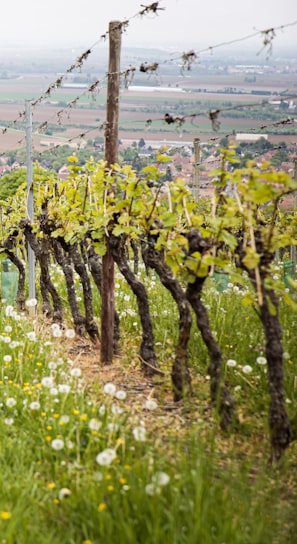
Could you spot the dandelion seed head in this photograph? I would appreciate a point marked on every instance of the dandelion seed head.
(139, 434)
(106, 457)
(57, 444)
(109, 389)
(10, 402)
(64, 493)
(150, 404)
(161, 479)
(231, 363)
(121, 395)
(94, 424)
(75, 372)
(35, 405)
(261, 360)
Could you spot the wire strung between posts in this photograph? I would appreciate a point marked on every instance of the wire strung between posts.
(72, 139)
(213, 115)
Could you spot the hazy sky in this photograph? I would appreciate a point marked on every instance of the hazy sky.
(192, 23)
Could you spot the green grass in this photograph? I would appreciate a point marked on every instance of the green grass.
(217, 488)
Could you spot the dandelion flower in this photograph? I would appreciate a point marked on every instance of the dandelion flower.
(53, 391)
(31, 302)
(9, 311)
(31, 336)
(101, 507)
(35, 405)
(110, 389)
(7, 358)
(64, 388)
(64, 419)
(139, 434)
(94, 424)
(9, 421)
(57, 444)
(247, 369)
(152, 489)
(64, 493)
(150, 404)
(5, 515)
(161, 478)
(116, 409)
(10, 402)
(121, 395)
(47, 381)
(102, 410)
(231, 363)
(106, 457)
(75, 372)
(261, 360)
(70, 333)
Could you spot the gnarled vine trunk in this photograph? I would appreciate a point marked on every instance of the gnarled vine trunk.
(180, 375)
(9, 245)
(41, 251)
(280, 428)
(148, 357)
(219, 392)
(64, 261)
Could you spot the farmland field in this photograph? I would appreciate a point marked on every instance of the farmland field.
(192, 97)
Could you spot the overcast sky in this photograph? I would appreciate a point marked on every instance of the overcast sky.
(75, 23)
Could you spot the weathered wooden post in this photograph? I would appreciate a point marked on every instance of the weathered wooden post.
(111, 157)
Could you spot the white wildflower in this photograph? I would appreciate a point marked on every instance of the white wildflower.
(31, 336)
(110, 389)
(64, 419)
(10, 402)
(64, 493)
(75, 372)
(47, 381)
(106, 457)
(160, 478)
(53, 391)
(247, 369)
(121, 395)
(7, 358)
(94, 424)
(64, 388)
(261, 360)
(9, 421)
(139, 434)
(231, 363)
(152, 489)
(31, 302)
(35, 405)
(112, 427)
(102, 410)
(70, 333)
(57, 444)
(9, 311)
(150, 404)
(57, 333)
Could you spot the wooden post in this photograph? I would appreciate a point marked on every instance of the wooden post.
(196, 167)
(111, 157)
